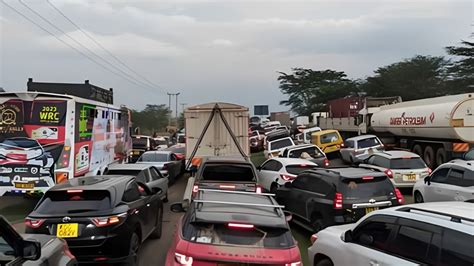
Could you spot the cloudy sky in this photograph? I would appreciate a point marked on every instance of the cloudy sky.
(219, 50)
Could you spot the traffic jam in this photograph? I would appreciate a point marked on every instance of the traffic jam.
(390, 183)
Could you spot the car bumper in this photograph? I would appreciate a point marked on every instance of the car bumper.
(111, 249)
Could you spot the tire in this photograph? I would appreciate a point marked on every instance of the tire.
(324, 262)
(418, 150)
(440, 156)
(156, 234)
(429, 156)
(418, 197)
(273, 188)
(132, 260)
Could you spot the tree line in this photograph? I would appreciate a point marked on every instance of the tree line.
(418, 77)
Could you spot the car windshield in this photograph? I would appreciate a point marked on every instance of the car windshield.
(180, 150)
(228, 172)
(407, 163)
(279, 144)
(469, 155)
(19, 143)
(296, 169)
(221, 234)
(153, 157)
(139, 142)
(366, 188)
(329, 137)
(160, 142)
(74, 201)
(311, 151)
(367, 143)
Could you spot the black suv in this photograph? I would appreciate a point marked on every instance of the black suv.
(323, 197)
(228, 173)
(102, 218)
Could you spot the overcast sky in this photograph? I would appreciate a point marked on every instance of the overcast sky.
(222, 50)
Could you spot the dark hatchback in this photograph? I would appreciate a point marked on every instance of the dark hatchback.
(323, 197)
(102, 218)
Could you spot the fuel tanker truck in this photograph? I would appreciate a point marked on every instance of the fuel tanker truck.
(438, 129)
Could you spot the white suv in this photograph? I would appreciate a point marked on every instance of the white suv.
(438, 233)
(453, 181)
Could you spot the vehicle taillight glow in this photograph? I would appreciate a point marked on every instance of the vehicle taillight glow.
(74, 191)
(399, 195)
(337, 203)
(298, 263)
(237, 225)
(195, 189)
(430, 171)
(342, 145)
(389, 173)
(33, 223)
(287, 177)
(367, 178)
(227, 186)
(183, 259)
(313, 238)
(106, 221)
(326, 162)
(258, 190)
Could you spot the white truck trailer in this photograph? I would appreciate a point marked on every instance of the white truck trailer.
(216, 129)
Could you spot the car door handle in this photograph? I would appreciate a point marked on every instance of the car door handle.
(374, 263)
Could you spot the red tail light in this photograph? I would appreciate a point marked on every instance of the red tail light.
(74, 191)
(183, 259)
(106, 221)
(367, 178)
(242, 226)
(195, 189)
(298, 263)
(389, 173)
(313, 238)
(399, 195)
(227, 186)
(34, 223)
(337, 203)
(430, 171)
(258, 190)
(326, 162)
(287, 177)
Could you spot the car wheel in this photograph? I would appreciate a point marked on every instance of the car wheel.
(134, 248)
(273, 188)
(318, 225)
(159, 226)
(324, 262)
(418, 197)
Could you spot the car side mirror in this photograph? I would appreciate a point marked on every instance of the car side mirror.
(347, 236)
(177, 207)
(366, 239)
(288, 185)
(156, 190)
(31, 250)
(288, 216)
(427, 180)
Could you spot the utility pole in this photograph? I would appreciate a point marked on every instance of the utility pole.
(169, 108)
(183, 105)
(177, 94)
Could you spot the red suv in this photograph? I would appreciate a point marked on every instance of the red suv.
(233, 228)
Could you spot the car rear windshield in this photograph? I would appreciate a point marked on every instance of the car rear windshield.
(407, 163)
(74, 201)
(20, 143)
(228, 172)
(153, 157)
(367, 143)
(329, 137)
(311, 151)
(161, 142)
(366, 188)
(278, 144)
(222, 234)
(141, 142)
(296, 169)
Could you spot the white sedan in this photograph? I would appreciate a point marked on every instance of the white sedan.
(275, 172)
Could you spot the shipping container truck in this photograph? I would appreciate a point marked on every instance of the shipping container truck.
(216, 129)
(47, 137)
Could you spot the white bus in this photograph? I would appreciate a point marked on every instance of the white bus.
(46, 138)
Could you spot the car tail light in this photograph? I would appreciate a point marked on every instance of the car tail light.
(183, 259)
(34, 223)
(195, 189)
(389, 173)
(242, 226)
(337, 203)
(258, 190)
(227, 186)
(287, 177)
(101, 259)
(74, 191)
(313, 238)
(106, 221)
(367, 178)
(430, 171)
(399, 195)
(326, 162)
(342, 145)
(298, 263)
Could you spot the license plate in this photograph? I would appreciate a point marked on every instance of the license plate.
(67, 230)
(371, 209)
(29, 185)
(409, 177)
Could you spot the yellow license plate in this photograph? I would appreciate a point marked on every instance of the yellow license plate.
(371, 209)
(67, 230)
(25, 185)
(410, 177)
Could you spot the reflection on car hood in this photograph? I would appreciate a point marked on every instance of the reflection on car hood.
(155, 164)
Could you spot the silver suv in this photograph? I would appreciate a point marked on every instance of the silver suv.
(452, 181)
(358, 148)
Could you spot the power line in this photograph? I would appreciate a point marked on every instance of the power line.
(67, 44)
(80, 44)
(101, 46)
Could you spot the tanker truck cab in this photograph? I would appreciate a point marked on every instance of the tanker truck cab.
(328, 141)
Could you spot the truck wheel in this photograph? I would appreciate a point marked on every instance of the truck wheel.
(440, 156)
(417, 149)
(429, 156)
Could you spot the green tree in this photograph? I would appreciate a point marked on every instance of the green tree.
(309, 90)
(154, 118)
(414, 78)
(461, 71)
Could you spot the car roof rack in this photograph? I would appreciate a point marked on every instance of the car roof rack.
(454, 218)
